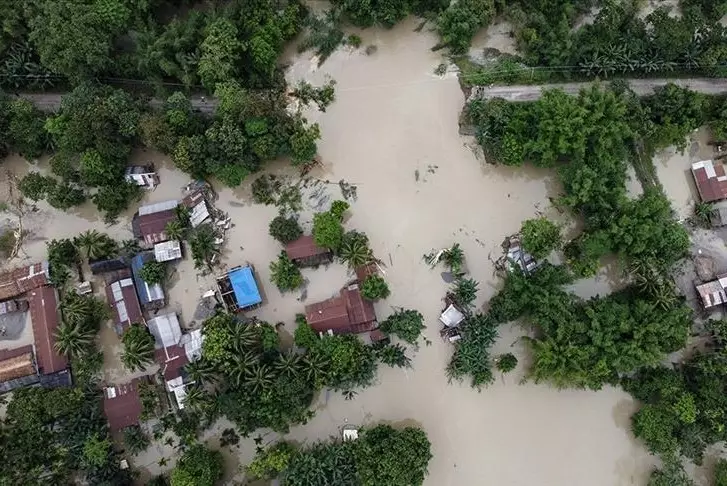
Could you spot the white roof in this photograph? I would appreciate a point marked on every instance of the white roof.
(157, 207)
(154, 291)
(165, 329)
(168, 250)
(451, 316)
(177, 387)
(192, 343)
(199, 214)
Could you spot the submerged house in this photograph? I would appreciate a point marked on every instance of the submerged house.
(151, 296)
(52, 366)
(710, 179)
(712, 294)
(239, 290)
(196, 202)
(122, 405)
(121, 296)
(23, 279)
(142, 175)
(150, 222)
(17, 368)
(173, 351)
(108, 265)
(348, 313)
(305, 253)
(168, 251)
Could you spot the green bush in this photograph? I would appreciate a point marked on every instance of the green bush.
(285, 229)
(375, 288)
(285, 274)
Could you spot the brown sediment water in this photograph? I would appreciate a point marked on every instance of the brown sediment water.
(393, 133)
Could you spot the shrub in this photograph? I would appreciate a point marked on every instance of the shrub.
(285, 229)
(153, 272)
(405, 324)
(506, 362)
(375, 288)
(327, 230)
(285, 274)
(540, 237)
(338, 208)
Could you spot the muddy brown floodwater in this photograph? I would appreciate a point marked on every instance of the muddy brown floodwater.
(393, 133)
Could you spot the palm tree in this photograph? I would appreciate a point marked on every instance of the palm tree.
(703, 212)
(138, 348)
(72, 340)
(244, 336)
(75, 308)
(316, 368)
(96, 245)
(465, 292)
(201, 372)
(258, 377)
(242, 363)
(288, 363)
(356, 252)
(174, 230)
(203, 245)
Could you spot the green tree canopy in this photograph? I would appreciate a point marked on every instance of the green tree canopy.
(198, 466)
(540, 237)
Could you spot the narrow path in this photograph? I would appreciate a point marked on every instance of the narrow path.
(641, 87)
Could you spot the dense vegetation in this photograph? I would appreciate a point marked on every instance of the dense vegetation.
(381, 455)
(56, 437)
(618, 42)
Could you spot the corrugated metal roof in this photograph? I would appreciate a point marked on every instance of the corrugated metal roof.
(20, 280)
(148, 294)
(157, 207)
(165, 329)
(122, 405)
(304, 247)
(713, 293)
(347, 313)
(168, 250)
(197, 204)
(121, 295)
(710, 179)
(44, 316)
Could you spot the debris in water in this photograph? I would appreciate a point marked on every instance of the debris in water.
(416, 175)
(348, 191)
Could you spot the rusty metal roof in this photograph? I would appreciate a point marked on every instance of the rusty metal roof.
(347, 313)
(16, 363)
(152, 227)
(304, 247)
(710, 179)
(44, 315)
(122, 405)
(20, 280)
(121, 296)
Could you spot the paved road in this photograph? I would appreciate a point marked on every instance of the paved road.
(640, 86)
(52, 101)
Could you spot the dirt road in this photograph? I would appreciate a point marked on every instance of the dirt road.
(51, 101)
(641, 87)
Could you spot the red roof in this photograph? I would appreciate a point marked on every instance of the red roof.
(44, 315)
(20, 280)
(347, 313)
(304, 247)
(151, 227)
(172, 361)
(121, 296)
(121, 405)
(710, 179)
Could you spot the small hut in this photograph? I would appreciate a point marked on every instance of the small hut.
(142, 175)
(239, 290)
(305, 253)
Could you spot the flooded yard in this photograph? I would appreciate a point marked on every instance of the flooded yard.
(393, 133)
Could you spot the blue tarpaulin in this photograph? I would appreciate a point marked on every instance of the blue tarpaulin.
(245, 287)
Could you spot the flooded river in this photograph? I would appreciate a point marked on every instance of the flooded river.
(393, 133)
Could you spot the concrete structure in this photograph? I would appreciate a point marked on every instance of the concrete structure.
(142, 175)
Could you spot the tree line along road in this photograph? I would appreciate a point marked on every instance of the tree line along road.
(642, 87)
